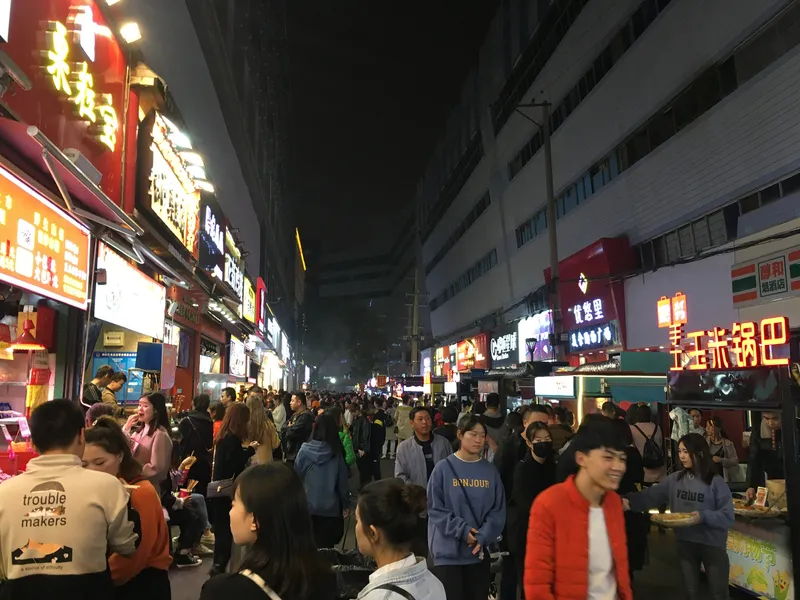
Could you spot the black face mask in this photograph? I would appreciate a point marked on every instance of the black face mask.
(543, 449)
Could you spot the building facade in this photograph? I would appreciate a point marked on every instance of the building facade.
(664, 133)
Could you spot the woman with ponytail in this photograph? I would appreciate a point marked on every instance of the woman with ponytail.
(387, 514)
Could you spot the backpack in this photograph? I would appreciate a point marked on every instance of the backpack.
(388, 421)
(652, 456)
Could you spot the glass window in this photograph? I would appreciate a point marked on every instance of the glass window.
(673, 246)
(702, 239)
(660, 251)
(648, 261)
(749, 204)
(580, 191)
(791, 184)
(638, 146)
(661, 128)
(570, 199)
(541, 222)
(685, 241)
(717, 228)
(770, 194)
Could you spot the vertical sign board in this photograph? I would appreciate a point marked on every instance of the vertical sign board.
(767, 278)
(78, 72)
(261, 308)
(504, 346)
(211, 247)
(234, 267)
(249, 301)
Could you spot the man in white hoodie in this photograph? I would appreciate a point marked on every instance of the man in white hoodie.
(59, 520)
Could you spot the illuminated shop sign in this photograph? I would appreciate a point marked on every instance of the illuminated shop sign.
(274, 332)
(234, 275)
(472, 354)
(261, 307)
(237, 358)
(129, 298)
(503, 346)
(555, 386)
(533, 338)
(766, 278)
(744, 346)
(594, 337)
(42, 248)
(249, 301)
(74, 80)
(174, 190)
(211, 254)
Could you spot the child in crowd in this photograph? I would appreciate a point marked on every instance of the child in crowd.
(699, 490)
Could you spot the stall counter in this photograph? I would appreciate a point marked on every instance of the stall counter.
(760, 558)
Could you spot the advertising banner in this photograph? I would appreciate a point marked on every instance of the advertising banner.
(504, 347)
(472, 353)
(42, 248)
(237, 358)
(761, 560)
(767, 278)
(249, 301)
(211, 252)
(129, 298)
(426, 362)
(533, 338)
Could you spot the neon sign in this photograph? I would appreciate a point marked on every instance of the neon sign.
(75, 81)
(234, 276)
(588, 311)
(745, 345)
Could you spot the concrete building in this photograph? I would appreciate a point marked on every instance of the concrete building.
(672, 120)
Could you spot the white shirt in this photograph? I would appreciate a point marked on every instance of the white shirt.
(602, 579)
(408, 561)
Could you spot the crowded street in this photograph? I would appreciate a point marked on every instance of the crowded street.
(431, 300)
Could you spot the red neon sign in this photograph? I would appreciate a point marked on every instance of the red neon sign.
(747, 345)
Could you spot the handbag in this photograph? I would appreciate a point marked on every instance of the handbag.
(255, 578)
(492, 547)
(220, 489)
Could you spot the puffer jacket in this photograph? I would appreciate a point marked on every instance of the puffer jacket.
(557, 556)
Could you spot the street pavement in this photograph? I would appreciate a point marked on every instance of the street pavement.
(660, 580)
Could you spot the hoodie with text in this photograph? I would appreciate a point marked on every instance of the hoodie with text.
(463, 495)
(685, 493)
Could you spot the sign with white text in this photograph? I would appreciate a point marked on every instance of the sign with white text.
(503, 346)
(555, 386)
(767, 278)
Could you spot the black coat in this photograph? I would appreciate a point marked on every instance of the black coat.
(297, 432)
(197, 437)
(530, 480)
(512, 450)
(230, 458)
(637, 525)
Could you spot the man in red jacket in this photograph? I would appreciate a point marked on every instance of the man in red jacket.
(576, 548)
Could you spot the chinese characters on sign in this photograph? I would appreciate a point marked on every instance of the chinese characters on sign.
(234, 276)
(504, 346)
(745, 345)
(174, 197)
(772, 277)
(75, 81)
(249, 302)
(588, 311)
(766, 278)
(41, 248)
(588, 338)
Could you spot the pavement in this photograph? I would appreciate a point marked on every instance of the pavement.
(660, 580)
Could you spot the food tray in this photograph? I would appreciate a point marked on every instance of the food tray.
(754, 512)
(674, 519)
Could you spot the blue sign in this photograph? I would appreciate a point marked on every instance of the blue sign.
(121, 361)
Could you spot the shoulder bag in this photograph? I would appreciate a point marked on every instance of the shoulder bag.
(390, 587)
(221, 488)
(255, 578)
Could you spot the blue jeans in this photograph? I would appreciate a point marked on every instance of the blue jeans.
(197, 506)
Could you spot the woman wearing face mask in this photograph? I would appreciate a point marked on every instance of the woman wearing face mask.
(270, 515)
(387, 515)
(149, 433)
(698, 490)
(532, 475)
(466, 513)
(145, 573)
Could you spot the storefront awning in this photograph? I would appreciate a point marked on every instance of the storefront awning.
(33, 145)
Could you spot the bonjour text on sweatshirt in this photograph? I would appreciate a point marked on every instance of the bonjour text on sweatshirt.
(685, 493)
(450, 516)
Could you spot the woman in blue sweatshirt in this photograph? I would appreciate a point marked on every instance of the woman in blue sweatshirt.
(466, 513)
(698, 490)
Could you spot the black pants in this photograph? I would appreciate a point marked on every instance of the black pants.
(369, 469)
(328, 531)
(150, 583)
(190, 525)
(715, 561)
(223, 545)
(465, 582)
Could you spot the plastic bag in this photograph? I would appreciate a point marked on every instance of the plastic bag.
(352, 570)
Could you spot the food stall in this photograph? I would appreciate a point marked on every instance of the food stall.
(751, 368)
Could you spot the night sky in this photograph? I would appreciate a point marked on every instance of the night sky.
(371, 86)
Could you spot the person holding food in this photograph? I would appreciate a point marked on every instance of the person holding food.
(701, 507)
(766, 453)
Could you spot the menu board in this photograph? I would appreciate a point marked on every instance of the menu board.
(42, 248)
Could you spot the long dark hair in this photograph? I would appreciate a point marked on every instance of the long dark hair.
(393, 507)
(326, 430)
(160, 415)
(107, 434)
(702, 464)
(335, 413)
(284, 553)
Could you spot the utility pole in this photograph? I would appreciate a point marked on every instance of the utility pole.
(552, 234)
(415, 324)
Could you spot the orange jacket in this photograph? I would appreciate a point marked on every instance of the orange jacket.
(557, 552)
(153, 550)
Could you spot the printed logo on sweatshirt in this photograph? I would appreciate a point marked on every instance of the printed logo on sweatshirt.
(475, 483)
(45, 508)
(690, 496)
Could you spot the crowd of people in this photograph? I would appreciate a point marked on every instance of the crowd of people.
(260, 482)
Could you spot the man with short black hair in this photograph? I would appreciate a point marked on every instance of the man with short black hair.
(114, 385)
(298, 430)
(417, 456)
(450, 429)
(57, 519)
(92, 391)
(227, 396)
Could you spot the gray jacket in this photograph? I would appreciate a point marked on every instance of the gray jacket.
(416, 580)
(409, 464)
